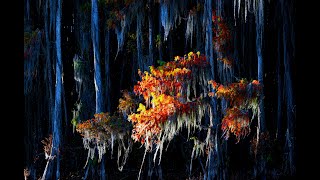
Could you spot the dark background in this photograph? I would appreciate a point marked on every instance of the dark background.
(174, 162)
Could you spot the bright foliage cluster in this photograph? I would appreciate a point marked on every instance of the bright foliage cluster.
(241, 97)
(222, 38)
(103, 125)
(236, 122)
(160, 106)
(221, 31)
(163, 90)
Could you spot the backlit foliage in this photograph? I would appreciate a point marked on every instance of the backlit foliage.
(166, 99)
(228, 62)
(159, 109)
(236, 122)
(47, 145)
(128, 103)
(102, 132)
(221, 39)
(241, 97)
(222, 34)
(164, 94)
(103, 125)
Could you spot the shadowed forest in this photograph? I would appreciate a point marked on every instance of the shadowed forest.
(160, 89)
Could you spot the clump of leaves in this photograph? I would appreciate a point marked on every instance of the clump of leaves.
(127, 104)
(228, 62)
(162, 91)
(236, 122)
(241, 96)
(103, 125)
(221, 31)
(221, 39)
(102, 131)
(158, 40)
(47, 145)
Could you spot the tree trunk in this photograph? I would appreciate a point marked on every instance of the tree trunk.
(288, 50)
(107, 71)
(57, 117)
(96, 56)
(150, 21)
(97, 65)
(261, 129)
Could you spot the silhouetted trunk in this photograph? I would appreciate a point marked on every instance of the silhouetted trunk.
(57, 114)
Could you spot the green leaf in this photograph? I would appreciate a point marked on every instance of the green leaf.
(161, 63)
(74, 122)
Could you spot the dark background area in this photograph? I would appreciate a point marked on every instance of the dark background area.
(174, 161)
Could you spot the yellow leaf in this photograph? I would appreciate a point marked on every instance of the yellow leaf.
(141, 108)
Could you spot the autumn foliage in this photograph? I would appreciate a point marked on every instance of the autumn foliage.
(221, 31)
(127, 103)
(47, 145)
(241, 96)
(236, 122)
(103, 125)
(163, 91)
(221, 38)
